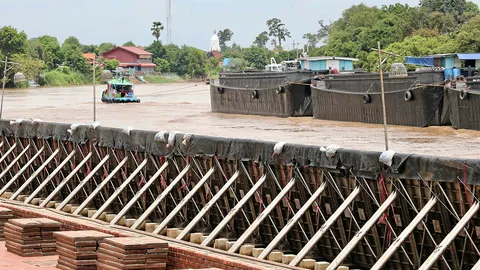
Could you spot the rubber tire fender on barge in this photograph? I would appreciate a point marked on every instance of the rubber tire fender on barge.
(463, 94)
(220, 90)
(280, 89)
(254, 94)
(408, 95)
(366, 98)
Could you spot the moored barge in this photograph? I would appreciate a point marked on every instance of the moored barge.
(462, 101)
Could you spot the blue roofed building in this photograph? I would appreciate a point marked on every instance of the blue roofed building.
(324, 63)
(447, 61)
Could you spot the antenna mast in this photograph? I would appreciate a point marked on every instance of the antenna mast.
(169, 21)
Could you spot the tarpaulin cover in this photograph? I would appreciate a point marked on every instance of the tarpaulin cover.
(468, 56)
(362, 163)
(420, 61)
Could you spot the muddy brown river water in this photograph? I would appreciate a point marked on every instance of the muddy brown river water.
(185, 107)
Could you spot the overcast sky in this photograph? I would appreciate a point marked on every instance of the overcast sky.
(193, 21)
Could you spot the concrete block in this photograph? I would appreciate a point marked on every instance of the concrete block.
(257, 251)
(109, 217)
(91, 213)
(196, 238)
(247, 250)
(275, 256)
(128, 222)
(205, 237)
(21, 198)
(103, 216)
(307, 263)
(35, 201)
(287, 258)
(150, 227)
(342, 267)
(220, 243)
(7, 195)
(51, 204)
(321, 265)
(123, 222)
(229, 244)
(173, 232)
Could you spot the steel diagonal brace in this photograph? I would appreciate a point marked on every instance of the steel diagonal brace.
(8, 152)
(65, 181)
(476, 266)
(49, 178)
(207, 207)
(82, 183)
(450, 237)
(137, 196)
(234, 211)
(261, 217)
(20, 172)
(403, 236)
(34, 175)
(100, 186)
(183, 202)
(326, 226)
(362, 232)
(292, 222)
(160, 197)
(7, 169)
(119, 190)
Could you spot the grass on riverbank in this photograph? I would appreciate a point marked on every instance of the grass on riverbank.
(162, 79)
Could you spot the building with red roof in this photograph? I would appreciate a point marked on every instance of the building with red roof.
(132, 57)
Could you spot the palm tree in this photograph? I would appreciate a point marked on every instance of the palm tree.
(156, 29)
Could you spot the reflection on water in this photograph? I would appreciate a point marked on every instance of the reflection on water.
(186, 108)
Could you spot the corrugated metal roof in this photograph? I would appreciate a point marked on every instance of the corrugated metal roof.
(468, 56)
(135, 50)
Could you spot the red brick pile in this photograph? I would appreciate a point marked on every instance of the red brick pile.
(132, 253)
(78, 249)
(5, 215)
(31, 237)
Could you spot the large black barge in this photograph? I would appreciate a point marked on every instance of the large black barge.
(411, 99)
(281, 94)
(462, 103)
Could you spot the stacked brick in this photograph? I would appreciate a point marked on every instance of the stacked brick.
(31, 237)
(132, 253)
(78, 249)
(5, 215)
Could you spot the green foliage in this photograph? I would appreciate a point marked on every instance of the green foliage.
(312, 39)
(460, 10)
(190, 62)
(106, 46)
(257, 57)
(74, 59)
(51, 51)
(63, 76)
(129, 43)
(90, 49)
(224, 36)
(278, 30)
(212, 67)
(29, 66)
(157, 50)
(285, 56)
(162, 65)
(12, 42)
(156, 29)
(161, 79)
(111, 64)
(34, 48)
(72, 41)
(236, 64)
(469, 37)
(261, 40)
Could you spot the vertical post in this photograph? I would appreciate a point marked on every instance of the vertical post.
(3, 85)
(94, 82)
(383, 96)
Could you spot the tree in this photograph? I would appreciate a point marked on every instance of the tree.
(157, 29)
(74, 59)
(51, 51)
(90, 49)
(29, 66)
(224, 36)
(130, 43)
(257, 57)
(35, 49)
(105, 47)
(261, 40)
(156, 49)
(312, 39)
(162, 65)
(323, 30)
(73, 41)
(12, 42)
(111, 64)
(278, 30)
(469, 36)
(461, 10)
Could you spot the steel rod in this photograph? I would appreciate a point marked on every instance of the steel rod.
(119, 190)
(65, 181)
(184, 201)
(234, 211)
(83, 183)
(160, 197)
(207, 207)
(361, 233)
(325, 227)
(137, 196)
(8, 152)
(292, 222)
(7, 169)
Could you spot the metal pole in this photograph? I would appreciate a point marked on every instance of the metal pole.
(383, 96)
(3, 85)
(94, 82)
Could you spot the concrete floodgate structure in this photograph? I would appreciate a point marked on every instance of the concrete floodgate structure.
(243, 204)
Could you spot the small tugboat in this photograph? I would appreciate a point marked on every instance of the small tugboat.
(119, 90)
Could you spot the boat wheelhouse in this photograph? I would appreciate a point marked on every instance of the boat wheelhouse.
(119, 90)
